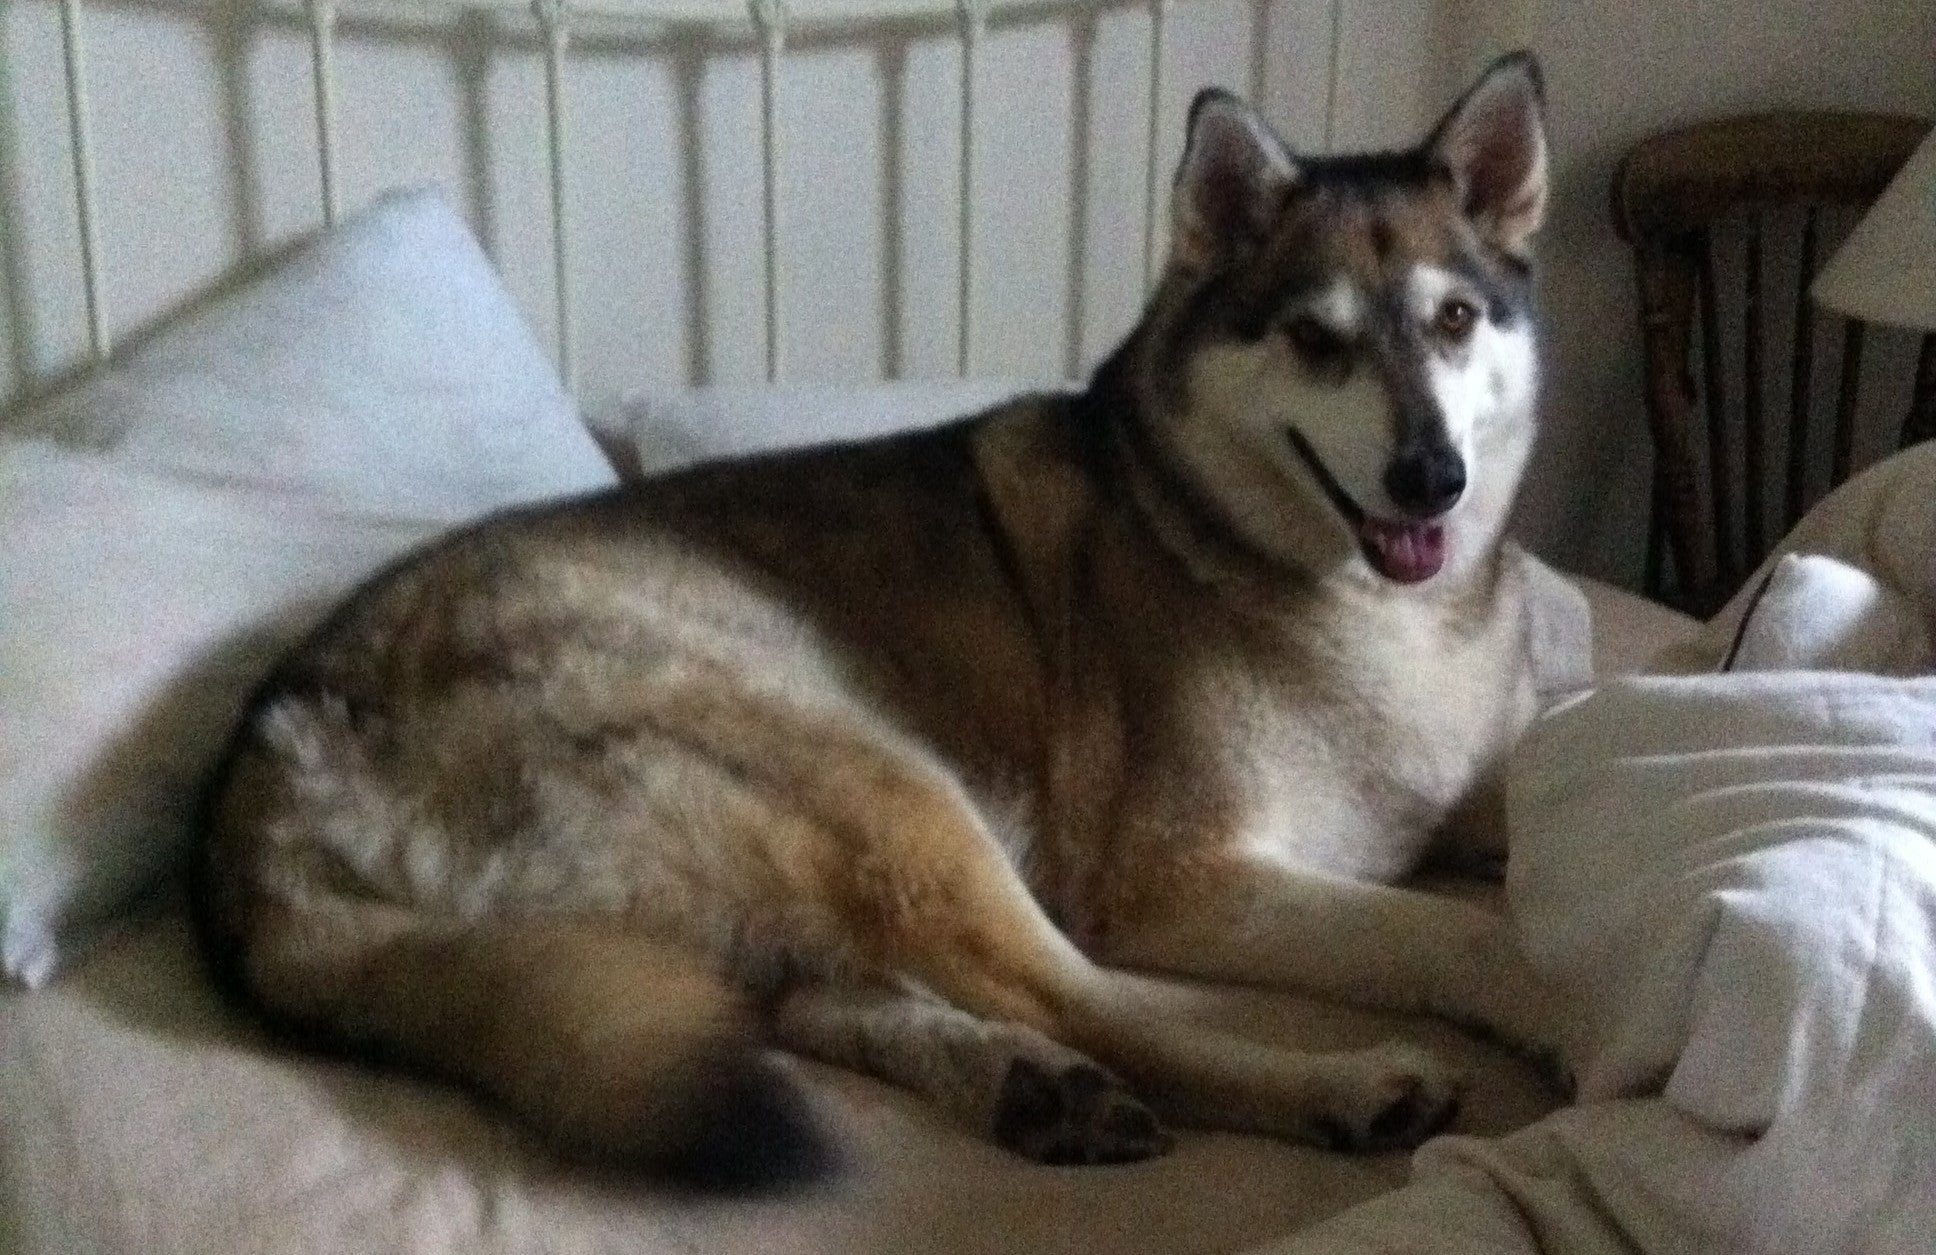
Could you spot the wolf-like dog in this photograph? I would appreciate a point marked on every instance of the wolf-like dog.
(898, 754)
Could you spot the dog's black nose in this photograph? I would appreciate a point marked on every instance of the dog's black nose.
(1426, 482)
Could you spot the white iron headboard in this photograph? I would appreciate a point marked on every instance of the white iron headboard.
(774, 27)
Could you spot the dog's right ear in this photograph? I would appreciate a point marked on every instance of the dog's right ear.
(1231, 183)
(1493, 143)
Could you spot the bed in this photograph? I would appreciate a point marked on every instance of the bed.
(172, 518)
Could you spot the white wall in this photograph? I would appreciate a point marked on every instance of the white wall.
(205, 129)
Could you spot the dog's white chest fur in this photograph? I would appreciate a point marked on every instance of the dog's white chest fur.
(1352, 774)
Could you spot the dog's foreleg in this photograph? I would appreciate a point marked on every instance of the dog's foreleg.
(1245, 919)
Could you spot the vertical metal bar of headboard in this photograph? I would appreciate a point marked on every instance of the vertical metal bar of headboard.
(1260, 30)
(1333, 76)
(1152, 184)
(322, 73)
(557, 30)
(770, 16)
(80, 137)
(974, 24)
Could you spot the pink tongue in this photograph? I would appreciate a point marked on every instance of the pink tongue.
(1404, 552)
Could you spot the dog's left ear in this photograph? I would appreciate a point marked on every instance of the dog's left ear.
(1494, 143)
(1231, 183)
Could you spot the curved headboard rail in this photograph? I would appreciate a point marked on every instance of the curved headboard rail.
(773, 23)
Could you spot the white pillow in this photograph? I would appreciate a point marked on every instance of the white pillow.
(1881, 521)
(382, 364)
(1819, 613)
(141, 609)
(213, 496)
(675, 427)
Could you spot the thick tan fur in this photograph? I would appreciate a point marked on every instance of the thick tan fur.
(877, 752)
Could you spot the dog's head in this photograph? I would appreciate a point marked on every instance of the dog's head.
(1340, 358)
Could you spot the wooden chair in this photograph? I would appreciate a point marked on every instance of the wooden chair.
(1674, 194)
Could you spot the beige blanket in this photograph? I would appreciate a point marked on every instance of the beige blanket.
(141, 1116)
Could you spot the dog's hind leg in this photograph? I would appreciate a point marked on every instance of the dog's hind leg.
(1005, 1081)
(1004, 959)
(909, 884)
(934, 900)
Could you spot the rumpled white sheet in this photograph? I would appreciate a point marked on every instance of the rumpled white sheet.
(1734, 877)
(1747, 912)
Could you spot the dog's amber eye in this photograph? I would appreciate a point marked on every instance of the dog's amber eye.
(1455, 319)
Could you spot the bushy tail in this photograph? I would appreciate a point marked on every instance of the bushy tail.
(614, 1048)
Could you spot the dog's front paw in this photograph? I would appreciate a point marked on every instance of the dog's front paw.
(1389, 1097)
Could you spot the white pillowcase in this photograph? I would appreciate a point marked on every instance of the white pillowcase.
(1819, 613)
(1880, 522)
(382, 364)
(141, 609)
(179, 521)
(675, 427)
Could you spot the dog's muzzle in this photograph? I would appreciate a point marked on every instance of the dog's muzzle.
(1404, 550)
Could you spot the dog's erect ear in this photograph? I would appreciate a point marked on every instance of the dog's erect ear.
(1494, 143)
(1231, 183)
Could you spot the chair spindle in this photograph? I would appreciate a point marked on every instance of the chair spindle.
(1721, 442)
(1845, 400)
(1754, 462)
(1804, 379)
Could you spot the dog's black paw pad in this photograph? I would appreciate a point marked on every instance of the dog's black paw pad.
(1403, 1122)
(1402, 1098)
(1081, 1115)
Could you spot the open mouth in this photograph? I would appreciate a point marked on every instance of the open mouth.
(1405, 551)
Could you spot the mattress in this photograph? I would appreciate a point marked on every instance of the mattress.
(140, 1114)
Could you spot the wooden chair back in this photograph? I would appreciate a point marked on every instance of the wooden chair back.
(1722, 455)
